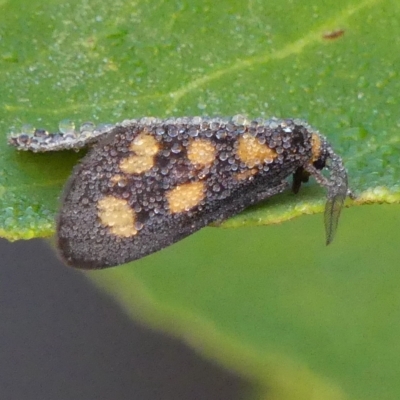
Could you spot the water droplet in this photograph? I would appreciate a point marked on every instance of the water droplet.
(172, 131)
(240, 119)
(176, 148)
(27, 129)
(223, 156)
(160, 130)
(122, 182)
(102, 128)
(87, 127)
(216, 188)
(148, 121)
(196, 120)
(193, 131)
(214, 125)
(138, 226)
(221, 134)
(66, 126)
(273, 124)
(13, 132)
(41, 133)
(23, 138)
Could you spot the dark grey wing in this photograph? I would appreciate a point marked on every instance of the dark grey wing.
(126, 199)
(141, 189)
(137, 192)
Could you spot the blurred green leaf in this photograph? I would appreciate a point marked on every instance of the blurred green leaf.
(299, 319)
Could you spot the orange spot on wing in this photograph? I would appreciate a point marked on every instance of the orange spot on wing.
(144, 147)
(185, 197)
(201, 152)
(117, 215)
(252, 152)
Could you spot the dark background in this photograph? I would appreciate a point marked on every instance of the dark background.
(61, 338)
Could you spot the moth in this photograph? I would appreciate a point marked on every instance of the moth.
(148, 183)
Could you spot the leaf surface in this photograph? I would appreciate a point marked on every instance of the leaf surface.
(298, 318)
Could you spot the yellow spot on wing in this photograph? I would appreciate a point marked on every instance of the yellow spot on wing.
(315, 146)
(201, 152)
(144, 145)
(136, 164)
(184, 197)
(117, 215)
(252, 152)
(145, 148)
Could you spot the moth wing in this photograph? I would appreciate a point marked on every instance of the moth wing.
(126, 200)
(134, 194)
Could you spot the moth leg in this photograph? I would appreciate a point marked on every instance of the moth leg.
(299, 177)
(337, 187)
(318, 176)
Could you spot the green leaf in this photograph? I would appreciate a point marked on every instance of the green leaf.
(300, 319)
(107, 61)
